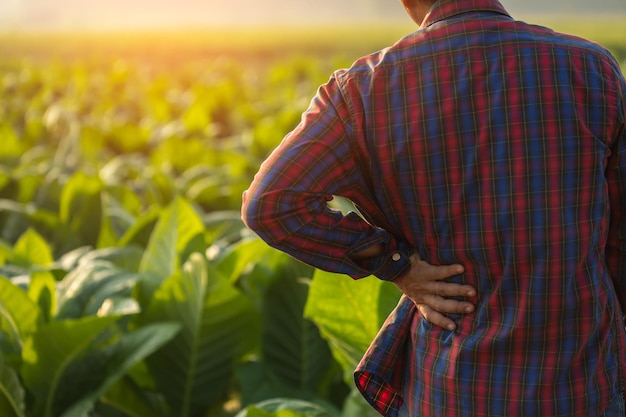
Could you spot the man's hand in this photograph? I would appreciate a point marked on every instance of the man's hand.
(424, 285)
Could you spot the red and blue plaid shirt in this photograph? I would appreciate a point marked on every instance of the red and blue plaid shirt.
(483, 141)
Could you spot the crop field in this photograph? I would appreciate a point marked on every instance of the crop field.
(128, 285)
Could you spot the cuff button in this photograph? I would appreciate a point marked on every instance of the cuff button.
(396, 256)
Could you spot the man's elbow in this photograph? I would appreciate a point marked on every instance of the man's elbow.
(255, 217)
(249, 212)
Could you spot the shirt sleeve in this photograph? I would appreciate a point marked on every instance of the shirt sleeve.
(287, 202)
(616, 175)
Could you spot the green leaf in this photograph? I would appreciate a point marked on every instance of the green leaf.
(71, 259)
(241, 256)
(131, 349)
(126, 258)
(81, 207)
(11, 392)
(19, 318)
(295, 360)
(224, 225)
(107, 236)
(30, 212)
(285, 407)
(22, 310)
(51, 351)
(129, 138)
(132, 400)
(11, 148)
(139, 233)
(194, 370)
(92, 142)
(292, 346)
(258, 384)
(349, 313)
(33, 249)
(196, 117)
(252, 411)
(160, 186)
(42, 291)
(6, 251)
(178, 225)
(86, 288)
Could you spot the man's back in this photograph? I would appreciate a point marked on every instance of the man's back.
(490, 143)
(495, 157)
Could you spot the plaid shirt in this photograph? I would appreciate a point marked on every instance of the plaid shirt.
(483, 141)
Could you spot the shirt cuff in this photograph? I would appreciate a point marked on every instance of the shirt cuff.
(394, 263)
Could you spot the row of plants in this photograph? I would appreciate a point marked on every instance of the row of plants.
(128, 284)
(205, 320)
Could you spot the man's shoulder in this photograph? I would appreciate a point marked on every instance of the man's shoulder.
(447, 40)
(575, 44)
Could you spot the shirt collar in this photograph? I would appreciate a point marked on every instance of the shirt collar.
(444, 9)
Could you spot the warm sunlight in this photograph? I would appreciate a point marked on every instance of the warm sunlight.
(131, 282)
(153, 14)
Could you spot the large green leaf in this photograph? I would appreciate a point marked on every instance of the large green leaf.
(11, 392)
(132, 348)
(51, 352)
(194, 370)
(86, 289)
(178, 225)
(291, 344)
(32, 249)
(295, 361)
(349, 313)
(19, 318)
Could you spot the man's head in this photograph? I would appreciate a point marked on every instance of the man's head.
(417, 9)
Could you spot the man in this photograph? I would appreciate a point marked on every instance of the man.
(496, 150)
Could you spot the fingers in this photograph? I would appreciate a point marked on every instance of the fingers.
(439, 272)
(434, 312)
(435, 317)
(447, 305)
(420, 283)
(448, 289)
(425, 285)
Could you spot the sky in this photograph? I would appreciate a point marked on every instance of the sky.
(22, 15)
